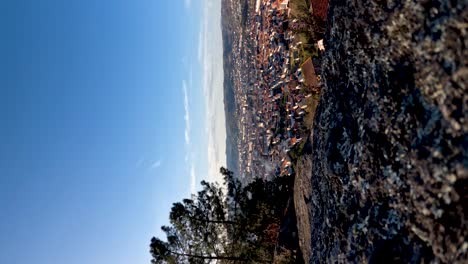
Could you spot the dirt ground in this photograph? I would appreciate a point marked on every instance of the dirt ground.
(302, 193)
(389, 176)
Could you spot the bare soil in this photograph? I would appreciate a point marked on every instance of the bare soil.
(302, 194)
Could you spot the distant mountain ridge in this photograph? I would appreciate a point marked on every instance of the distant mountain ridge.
(228, 23)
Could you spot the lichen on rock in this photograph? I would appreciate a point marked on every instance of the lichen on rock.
(390, 161)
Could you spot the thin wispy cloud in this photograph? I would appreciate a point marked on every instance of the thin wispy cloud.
(186, 86)
(156, 164)
(186, 113)
(188, 3)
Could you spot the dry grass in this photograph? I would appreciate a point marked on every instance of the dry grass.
(312, 103)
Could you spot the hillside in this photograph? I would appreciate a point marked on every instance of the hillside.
(227, 27)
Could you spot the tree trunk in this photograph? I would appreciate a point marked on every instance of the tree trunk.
(210, 257)
(214, 221)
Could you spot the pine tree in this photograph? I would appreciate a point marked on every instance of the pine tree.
(232, 227)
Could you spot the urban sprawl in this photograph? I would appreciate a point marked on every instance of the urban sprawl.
(273, 105)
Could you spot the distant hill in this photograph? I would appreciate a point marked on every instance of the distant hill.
(228, 22)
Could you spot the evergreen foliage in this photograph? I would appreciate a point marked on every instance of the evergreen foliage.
(234, 224)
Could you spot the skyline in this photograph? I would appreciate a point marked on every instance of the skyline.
(103, 103)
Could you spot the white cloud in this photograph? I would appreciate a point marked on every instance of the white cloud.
(156, 164)
(188, 3)
(211, 58)
(186, 113)
(188, 144)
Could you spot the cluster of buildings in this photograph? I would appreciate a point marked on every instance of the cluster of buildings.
(272, 99)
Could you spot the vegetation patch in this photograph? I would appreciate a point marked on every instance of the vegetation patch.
(255, 223)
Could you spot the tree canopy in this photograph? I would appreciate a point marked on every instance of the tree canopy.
(225, 224)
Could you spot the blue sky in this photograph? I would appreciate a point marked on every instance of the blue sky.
(110, 111)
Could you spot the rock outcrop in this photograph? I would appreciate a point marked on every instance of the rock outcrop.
(390, 163)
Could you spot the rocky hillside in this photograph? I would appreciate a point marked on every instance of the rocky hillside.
(390, 162)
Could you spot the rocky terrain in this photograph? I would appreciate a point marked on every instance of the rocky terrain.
(389, 160)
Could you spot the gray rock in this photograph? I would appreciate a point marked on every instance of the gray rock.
(390, 163)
